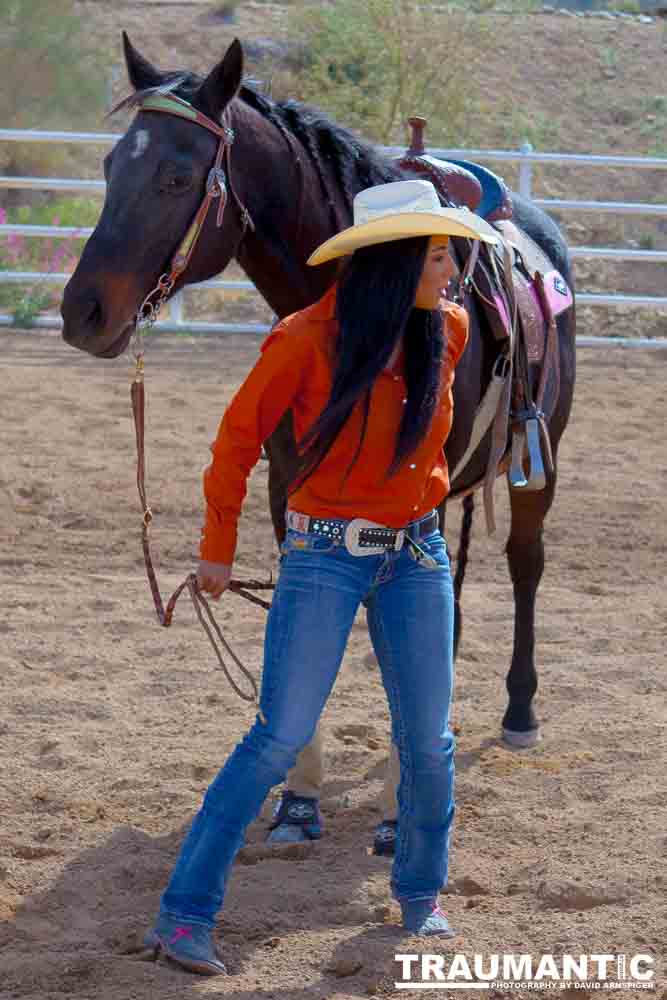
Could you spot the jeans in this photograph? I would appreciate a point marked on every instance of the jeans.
(410, 618)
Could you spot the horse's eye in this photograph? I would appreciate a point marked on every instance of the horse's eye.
(176, 183)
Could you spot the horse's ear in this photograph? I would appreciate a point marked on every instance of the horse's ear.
(223, 82)
(141, 73)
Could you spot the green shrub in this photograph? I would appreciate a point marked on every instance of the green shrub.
(368, 66)
(51, 78)
(48, 255)
(647, 241)
(68, 210)
(28, 306)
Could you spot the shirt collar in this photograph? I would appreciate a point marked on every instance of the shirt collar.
(325, 308)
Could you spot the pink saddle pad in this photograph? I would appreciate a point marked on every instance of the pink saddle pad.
(559, 296)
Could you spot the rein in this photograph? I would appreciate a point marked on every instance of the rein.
(216, 187)
(202, 608)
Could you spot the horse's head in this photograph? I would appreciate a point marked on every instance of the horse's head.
(156, 180)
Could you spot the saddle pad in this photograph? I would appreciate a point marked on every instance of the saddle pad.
(559, 298)
(558, 295)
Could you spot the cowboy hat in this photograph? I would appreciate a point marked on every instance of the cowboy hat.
(397, 211)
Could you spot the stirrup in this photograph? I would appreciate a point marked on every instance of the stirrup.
(527, 436)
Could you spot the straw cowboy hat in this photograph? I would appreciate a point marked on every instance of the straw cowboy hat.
(397, 211)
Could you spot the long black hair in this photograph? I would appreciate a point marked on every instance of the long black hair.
(375, 307)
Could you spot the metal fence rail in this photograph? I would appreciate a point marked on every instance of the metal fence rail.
(525, 157)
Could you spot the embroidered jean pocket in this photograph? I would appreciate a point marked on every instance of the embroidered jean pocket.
(299, 541)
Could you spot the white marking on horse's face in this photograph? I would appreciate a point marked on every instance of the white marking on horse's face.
(141, 142)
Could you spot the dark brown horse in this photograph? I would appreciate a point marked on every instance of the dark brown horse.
(296, 173)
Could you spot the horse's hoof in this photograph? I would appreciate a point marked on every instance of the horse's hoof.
(287, 833)
(384, 841)
(296, 818)
(527, 738)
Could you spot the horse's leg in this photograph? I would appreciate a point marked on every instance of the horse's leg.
(298, 817)
(525, 557)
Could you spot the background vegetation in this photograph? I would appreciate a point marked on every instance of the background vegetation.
(482, 78)
(368, 64)
(51, 72)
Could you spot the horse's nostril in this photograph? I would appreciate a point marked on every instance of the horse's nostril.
(94, 313)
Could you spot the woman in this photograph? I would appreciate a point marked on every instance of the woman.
(367, 372)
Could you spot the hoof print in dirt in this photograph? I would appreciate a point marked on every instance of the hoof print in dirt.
(468, 886)
(272, 942)
(254, 853)
(342, 967)
(132, 943)
(567, 896)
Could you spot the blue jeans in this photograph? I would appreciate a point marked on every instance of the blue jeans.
(410, 619)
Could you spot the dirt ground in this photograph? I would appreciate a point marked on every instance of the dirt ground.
(111, 728)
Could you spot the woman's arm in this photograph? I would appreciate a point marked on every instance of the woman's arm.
(456, 322)
(250, 418)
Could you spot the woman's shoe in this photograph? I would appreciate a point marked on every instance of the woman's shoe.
(189, 945)
(424, 918)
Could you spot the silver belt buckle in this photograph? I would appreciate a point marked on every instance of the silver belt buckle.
(351, 539)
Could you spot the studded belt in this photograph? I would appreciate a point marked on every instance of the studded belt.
(361, 537)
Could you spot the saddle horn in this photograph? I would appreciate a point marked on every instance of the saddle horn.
(417, 126)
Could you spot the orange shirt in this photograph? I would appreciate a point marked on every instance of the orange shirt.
(295, 371)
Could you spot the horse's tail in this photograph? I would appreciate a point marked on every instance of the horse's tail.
(461, 563)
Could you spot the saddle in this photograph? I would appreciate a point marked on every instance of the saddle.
(520, 293)
(459, 182)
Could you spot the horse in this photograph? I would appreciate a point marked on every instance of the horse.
(289, 173)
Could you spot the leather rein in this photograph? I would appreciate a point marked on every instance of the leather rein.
(216, 188)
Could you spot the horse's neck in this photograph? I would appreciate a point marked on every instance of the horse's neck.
(291, 216)
(280, 276)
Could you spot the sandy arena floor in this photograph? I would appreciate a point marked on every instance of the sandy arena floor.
(111, 728)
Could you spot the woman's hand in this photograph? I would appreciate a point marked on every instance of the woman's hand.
(213, 578)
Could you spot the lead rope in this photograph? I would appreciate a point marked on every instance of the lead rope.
(201, 605)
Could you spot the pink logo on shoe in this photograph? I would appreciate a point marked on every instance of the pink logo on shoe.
(179, 933)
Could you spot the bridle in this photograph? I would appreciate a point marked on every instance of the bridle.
(217, 182)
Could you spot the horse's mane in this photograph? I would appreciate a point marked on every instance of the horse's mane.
(354, 163)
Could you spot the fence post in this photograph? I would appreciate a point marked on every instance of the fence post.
(176, 308)
(525, 171)
(112, 79)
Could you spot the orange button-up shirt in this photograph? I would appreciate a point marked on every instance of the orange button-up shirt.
(295, 370)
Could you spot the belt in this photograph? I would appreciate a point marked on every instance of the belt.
(362, 537)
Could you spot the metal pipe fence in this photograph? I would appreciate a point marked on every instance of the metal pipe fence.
(525, 157)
